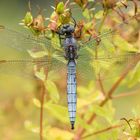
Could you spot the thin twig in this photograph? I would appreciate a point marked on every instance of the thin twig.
(103, 130)
(128, 122)
(103, 20)
(101, 86)
(125, 94)
(136, 6)
(99, 76)
(29, 6)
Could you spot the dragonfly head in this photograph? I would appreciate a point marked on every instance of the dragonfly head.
(67, 29)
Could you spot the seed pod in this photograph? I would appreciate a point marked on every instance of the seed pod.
(38, 23)
(79, 30)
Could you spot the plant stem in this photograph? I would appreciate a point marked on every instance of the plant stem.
(103, 130)
(125, 94)
(41, 110)
(96, 53)
(103, 20)
(101, 86)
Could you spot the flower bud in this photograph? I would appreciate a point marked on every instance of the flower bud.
(28, 19)
(60, 8)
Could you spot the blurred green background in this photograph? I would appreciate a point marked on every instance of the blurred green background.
(19, 117)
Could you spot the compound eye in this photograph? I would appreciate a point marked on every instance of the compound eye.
(71, 29)
(63, 31)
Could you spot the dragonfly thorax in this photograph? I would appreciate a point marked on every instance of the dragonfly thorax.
(67, 30)
(70, 46)
(69, 42)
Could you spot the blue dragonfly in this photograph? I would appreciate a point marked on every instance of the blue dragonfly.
(88, 60)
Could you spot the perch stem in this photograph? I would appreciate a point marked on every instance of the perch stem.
(41, 110)
(103, 130)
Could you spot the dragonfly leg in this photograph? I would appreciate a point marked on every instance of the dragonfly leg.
(88, 39)
(74, 21)
(60, 39)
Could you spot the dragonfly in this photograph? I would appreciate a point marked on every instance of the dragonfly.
(65, 53)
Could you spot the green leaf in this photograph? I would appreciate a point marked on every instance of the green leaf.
(135, 128)
(100, 65)
(40, 73)
(34, 31)
(105, 112)
(53, 75)
(81, 103)
(64, 18)
(123, 45)
(135, 75)
(99, 15)
(58, 134)
(82, 91)
(58, 111)
(56, 40)
(111, 112)
(107, 45)
(88, 26)
(52, 90)
(86, 13)
(136, 110)
(99, 110)
(83, 123)
(136, 131)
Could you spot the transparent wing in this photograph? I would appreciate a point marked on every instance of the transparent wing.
(90, 65)
(110, 30)
(28, 52)
(41, 46)
(107, 57)
(88, 69)
(23, 41)
(104, 68)
(33, 68)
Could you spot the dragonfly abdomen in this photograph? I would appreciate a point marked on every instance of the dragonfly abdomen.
(71, 91)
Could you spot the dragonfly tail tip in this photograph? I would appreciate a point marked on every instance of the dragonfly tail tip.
(72, 126)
